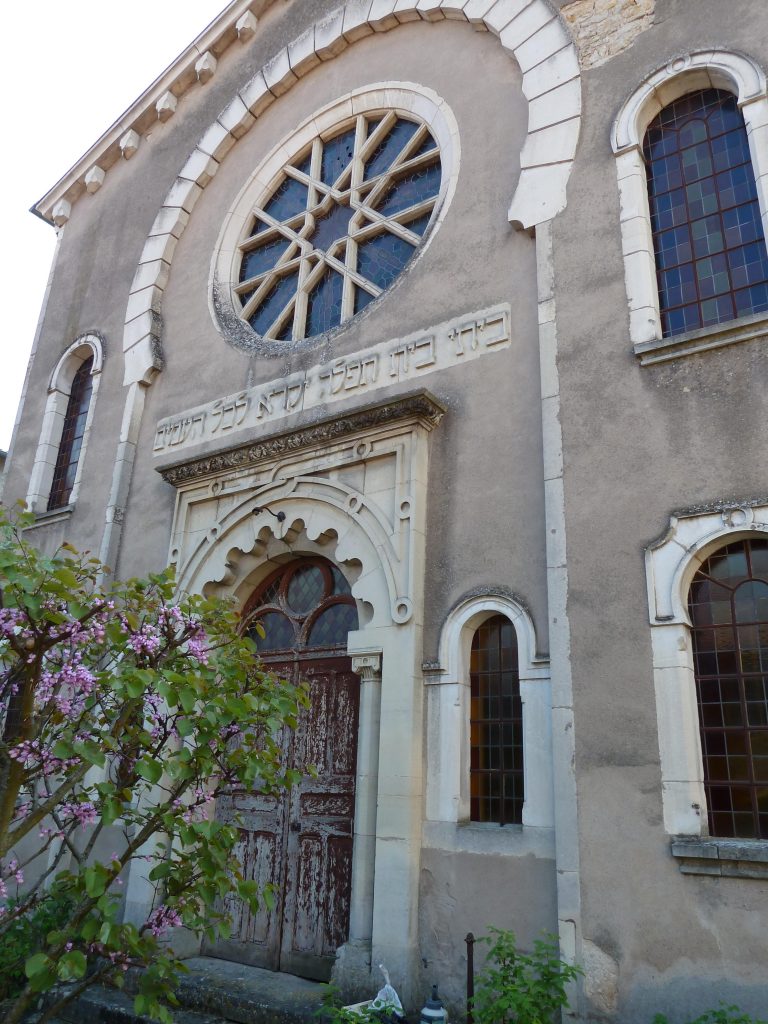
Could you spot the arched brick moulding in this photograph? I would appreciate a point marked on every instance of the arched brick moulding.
(530, 30)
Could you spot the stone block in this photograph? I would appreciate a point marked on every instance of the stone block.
(171, 220)
(301, 53)
(546, 40)
(355, 24)
(278, 74)
(129, 143)
(94, 179)
(329, 37)
(217, 141)
(205, 67)
(183, 193)
(236, 117)
(166, 106)
(256, 95)
(246, 26)
(200, 168)
(381, 15)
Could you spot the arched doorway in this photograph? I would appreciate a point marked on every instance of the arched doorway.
(302, 842)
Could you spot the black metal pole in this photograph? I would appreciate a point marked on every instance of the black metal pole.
(470, 941)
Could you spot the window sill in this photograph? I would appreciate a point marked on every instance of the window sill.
(476, 837)
(56, 515)
(733, 332)
(731, 858)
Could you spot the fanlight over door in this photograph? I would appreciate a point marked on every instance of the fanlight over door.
(302, 842)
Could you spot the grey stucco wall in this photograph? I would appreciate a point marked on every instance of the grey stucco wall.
(639, 443)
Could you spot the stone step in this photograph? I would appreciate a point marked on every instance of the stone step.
(213, 992)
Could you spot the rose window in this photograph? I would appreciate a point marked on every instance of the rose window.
(338, 226)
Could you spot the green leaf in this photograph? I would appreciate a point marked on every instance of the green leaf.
(37, 964)
(96, 878)
(72, 966)
(187, 698)
(149, 769)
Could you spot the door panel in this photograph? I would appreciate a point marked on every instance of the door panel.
(302, 841)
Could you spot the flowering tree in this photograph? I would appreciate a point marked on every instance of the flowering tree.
(124, 712)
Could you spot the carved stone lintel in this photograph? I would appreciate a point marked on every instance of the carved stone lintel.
(421, 405)
(368, 667)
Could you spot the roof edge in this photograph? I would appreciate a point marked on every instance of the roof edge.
(177, 79)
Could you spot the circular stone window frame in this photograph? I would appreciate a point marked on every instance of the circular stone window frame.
(402, 98)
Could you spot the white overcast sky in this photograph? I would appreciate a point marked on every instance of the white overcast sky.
(69, 70)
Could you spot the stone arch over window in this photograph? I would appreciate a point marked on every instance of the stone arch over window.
(672, 565)
(532, 33)
(449, 693)
(704, 71)
(60, 456)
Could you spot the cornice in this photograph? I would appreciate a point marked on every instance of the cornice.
(419, 405)
(177, 79)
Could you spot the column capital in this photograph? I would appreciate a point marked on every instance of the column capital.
(367, 664)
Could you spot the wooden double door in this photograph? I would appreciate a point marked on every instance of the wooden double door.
(301, 841)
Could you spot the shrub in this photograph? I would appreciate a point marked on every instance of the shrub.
(723, 1015)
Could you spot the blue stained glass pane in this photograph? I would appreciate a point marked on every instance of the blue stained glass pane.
(725, 116)
(286, 334)
(707, 236)
(386, 151)
(247, 296)
(692, 132)
(678, 286)
(279, 633)
(669, 210)
(273, 303)
(419, 224)
(674, 247)
(749, 265)
(680, 320)
(324, 303)
(426, 146)
(742, 225)
(712, 275)
(336, 156)
(373, 124)
(257, 227)
(305, 164)
(362, 298)
(697, 162)
(264, 258)
(340, 581)
(730, 150)
(665, 174)
(659, 143)
(332, 626)
(752, 300)
(714, 311)
(701, 196)
(412, 189)
(381, 258)
(736, 186)
(332, 226)
(289, 199)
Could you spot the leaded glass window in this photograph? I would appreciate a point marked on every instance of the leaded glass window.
(496, 725)
(711, 258)
(338, 225)
(728, 605)
(305, 605)
(72, 435)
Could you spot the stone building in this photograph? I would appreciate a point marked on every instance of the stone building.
(435, 332)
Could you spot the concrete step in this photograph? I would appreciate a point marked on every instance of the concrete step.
(213, 992)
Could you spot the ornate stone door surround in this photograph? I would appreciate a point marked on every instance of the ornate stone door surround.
(352, 488)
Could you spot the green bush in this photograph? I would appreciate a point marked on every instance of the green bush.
(26, 935)
(527, 988)
(723, 1015)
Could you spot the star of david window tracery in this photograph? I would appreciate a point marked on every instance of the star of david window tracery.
(340, 224)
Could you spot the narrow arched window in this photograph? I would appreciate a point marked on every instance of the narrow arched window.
(728, 605)
(711, 258)
(496, 725)
(75, 419)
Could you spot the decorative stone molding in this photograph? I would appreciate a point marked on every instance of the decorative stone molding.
(205, 67)
(129, 143)
(532, 33)
(166, 106)
(94, 179)
(731, 858)
(313, 476)
(59, 386)
(421, 406)
(448, 713)
(246, 27)
(735, 72)
(62, 211)
(671, 563)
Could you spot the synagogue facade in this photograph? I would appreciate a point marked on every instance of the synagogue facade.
(435, 333)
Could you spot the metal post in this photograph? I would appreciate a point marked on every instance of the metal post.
(470, 941)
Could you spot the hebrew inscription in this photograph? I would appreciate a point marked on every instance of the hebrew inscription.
(407, 359)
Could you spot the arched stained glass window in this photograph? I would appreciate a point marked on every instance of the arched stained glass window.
(728, 605)
(338, 225)
(496, 725)
(711, 258)
(72, 434)
(306, 604)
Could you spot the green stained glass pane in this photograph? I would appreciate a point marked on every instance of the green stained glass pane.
(332, 626)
